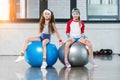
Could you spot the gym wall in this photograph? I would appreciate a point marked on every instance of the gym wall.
(13, 35)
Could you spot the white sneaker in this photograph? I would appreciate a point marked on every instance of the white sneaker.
(20, 58)
(93, 63)
(67, 64)
(44, 64)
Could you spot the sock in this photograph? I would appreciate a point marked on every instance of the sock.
(22, 53)
(44, 58)
(66, 59)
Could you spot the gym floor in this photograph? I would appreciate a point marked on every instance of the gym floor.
(108, 69)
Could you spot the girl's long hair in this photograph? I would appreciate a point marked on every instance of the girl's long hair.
(50, 25)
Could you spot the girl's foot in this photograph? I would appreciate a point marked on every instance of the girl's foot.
(93, 63)
(44, 64)
(21, 57)
(67, 64)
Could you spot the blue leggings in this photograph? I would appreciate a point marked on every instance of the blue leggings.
(76, 39)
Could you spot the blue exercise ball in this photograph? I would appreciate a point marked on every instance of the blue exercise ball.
(34, 54)
(78, 54)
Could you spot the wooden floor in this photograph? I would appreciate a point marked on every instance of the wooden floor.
(108, 69)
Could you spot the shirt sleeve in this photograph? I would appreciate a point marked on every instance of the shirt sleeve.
(83, 27)
(68, 26)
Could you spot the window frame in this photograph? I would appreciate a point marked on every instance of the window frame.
(103, 16)
(73, 4)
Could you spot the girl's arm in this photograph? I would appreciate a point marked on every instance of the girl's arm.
(82, 34)
(68, 28)
(68, 35)
(58, 35)
(82, 30)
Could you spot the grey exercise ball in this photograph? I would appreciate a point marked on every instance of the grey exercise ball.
(78, 54)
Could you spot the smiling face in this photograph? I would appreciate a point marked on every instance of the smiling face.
(75, 16)
(47, 15)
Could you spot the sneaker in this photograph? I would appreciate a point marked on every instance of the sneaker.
(93, 63)
(44, 64)
(67, 64)
(20, 58)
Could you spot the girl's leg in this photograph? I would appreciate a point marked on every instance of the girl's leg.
(67, 45)
(90, 49)
(21, 57)
(44, 43)
(27, 41)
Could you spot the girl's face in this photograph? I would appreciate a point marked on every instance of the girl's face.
(75, 16)
(47, 16)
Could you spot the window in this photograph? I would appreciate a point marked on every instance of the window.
(104, 10)
(4, 9)
(30, 10)
(27, 9)
(93, 1)
(61, 8)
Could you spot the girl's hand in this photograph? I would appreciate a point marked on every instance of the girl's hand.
(60, 42)
(84, 40)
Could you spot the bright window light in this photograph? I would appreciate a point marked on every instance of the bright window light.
(4, 9)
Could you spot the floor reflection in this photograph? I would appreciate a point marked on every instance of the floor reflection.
(81, 73)
(108, 69)
(76, 73)
(104, 57)
(41, 74)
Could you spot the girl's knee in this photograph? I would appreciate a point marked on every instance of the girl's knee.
(89, 44)
(44, 42)
(27, 40)
(81, 40)
(68, 43)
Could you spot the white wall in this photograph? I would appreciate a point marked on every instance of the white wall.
(13, 35)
